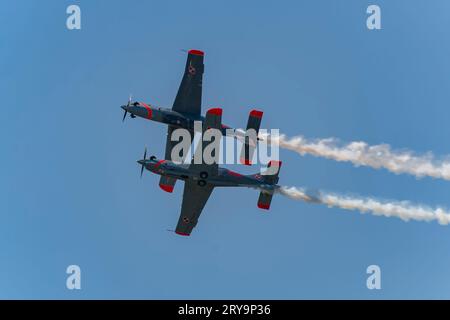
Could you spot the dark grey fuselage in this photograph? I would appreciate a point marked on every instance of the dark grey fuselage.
(166, 116)
(224, 177)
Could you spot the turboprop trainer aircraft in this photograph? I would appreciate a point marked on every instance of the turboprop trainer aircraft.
(201, 178)
(187, 108)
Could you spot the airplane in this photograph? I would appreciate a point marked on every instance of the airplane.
(200, 179)
(187, 108)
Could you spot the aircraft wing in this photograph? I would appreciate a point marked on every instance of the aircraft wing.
(170, 144)
(189, 96)
(213, 120)
(168, 183)
(194, 194)
(194, 199)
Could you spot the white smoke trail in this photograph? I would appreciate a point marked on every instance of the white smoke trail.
(361, 154)
(400, 209)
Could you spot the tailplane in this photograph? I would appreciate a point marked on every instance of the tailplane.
(264, 200)
(270, 176)
(251, 137)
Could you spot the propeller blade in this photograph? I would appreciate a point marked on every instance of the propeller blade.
(145, 158)
(126, 111)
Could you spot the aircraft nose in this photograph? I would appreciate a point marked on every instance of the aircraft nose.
(141, 162)
(124, 108)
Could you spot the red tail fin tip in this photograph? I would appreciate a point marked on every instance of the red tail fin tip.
(256, 113)
(215, 111)
(196, 52)
(263, 206)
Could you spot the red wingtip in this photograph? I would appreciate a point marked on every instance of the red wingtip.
(182, 234)
(166, 188)
(256, 113)
(196, 52)
(275, 163)
(247, 162)
(216, 111)
(263, 206)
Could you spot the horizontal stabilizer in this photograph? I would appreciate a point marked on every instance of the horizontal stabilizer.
(251, 137)
(264, 200)
(254, 120)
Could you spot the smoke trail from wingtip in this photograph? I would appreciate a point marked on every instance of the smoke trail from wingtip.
(400, 209)
(361, 154)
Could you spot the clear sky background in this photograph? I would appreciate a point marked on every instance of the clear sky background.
(70, 191)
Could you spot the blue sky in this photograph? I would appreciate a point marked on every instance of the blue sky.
(70, 191)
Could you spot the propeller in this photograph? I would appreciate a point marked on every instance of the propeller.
(128, 104)
(145, 158)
